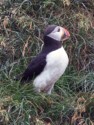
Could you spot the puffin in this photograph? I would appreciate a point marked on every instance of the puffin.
(50, 64)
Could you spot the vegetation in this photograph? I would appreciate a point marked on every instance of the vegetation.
(21, 30)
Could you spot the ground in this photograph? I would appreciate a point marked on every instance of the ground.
(21, 30)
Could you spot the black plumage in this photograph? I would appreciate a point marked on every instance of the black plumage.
(34, 68)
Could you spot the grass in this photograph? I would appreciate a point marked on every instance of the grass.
(21, 30)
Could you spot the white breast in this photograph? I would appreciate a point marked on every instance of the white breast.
(57, 62)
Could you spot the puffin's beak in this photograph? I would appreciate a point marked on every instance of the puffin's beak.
(65, 34)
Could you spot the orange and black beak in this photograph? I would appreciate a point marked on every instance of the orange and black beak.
(65, 34)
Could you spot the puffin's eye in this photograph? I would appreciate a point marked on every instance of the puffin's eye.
(58, 30)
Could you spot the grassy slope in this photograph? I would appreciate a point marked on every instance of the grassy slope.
(22, 24)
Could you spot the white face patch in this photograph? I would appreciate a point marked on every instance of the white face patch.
(57, 33)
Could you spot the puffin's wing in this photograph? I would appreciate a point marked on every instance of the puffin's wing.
(35, 68)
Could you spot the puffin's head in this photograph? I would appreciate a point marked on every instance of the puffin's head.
(57, 33)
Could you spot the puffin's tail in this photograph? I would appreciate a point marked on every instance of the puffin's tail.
(21, 79)
(18, 77)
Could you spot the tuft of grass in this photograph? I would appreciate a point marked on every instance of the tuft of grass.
(22, 23)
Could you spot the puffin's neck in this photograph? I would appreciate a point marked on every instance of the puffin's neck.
(50, 44)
